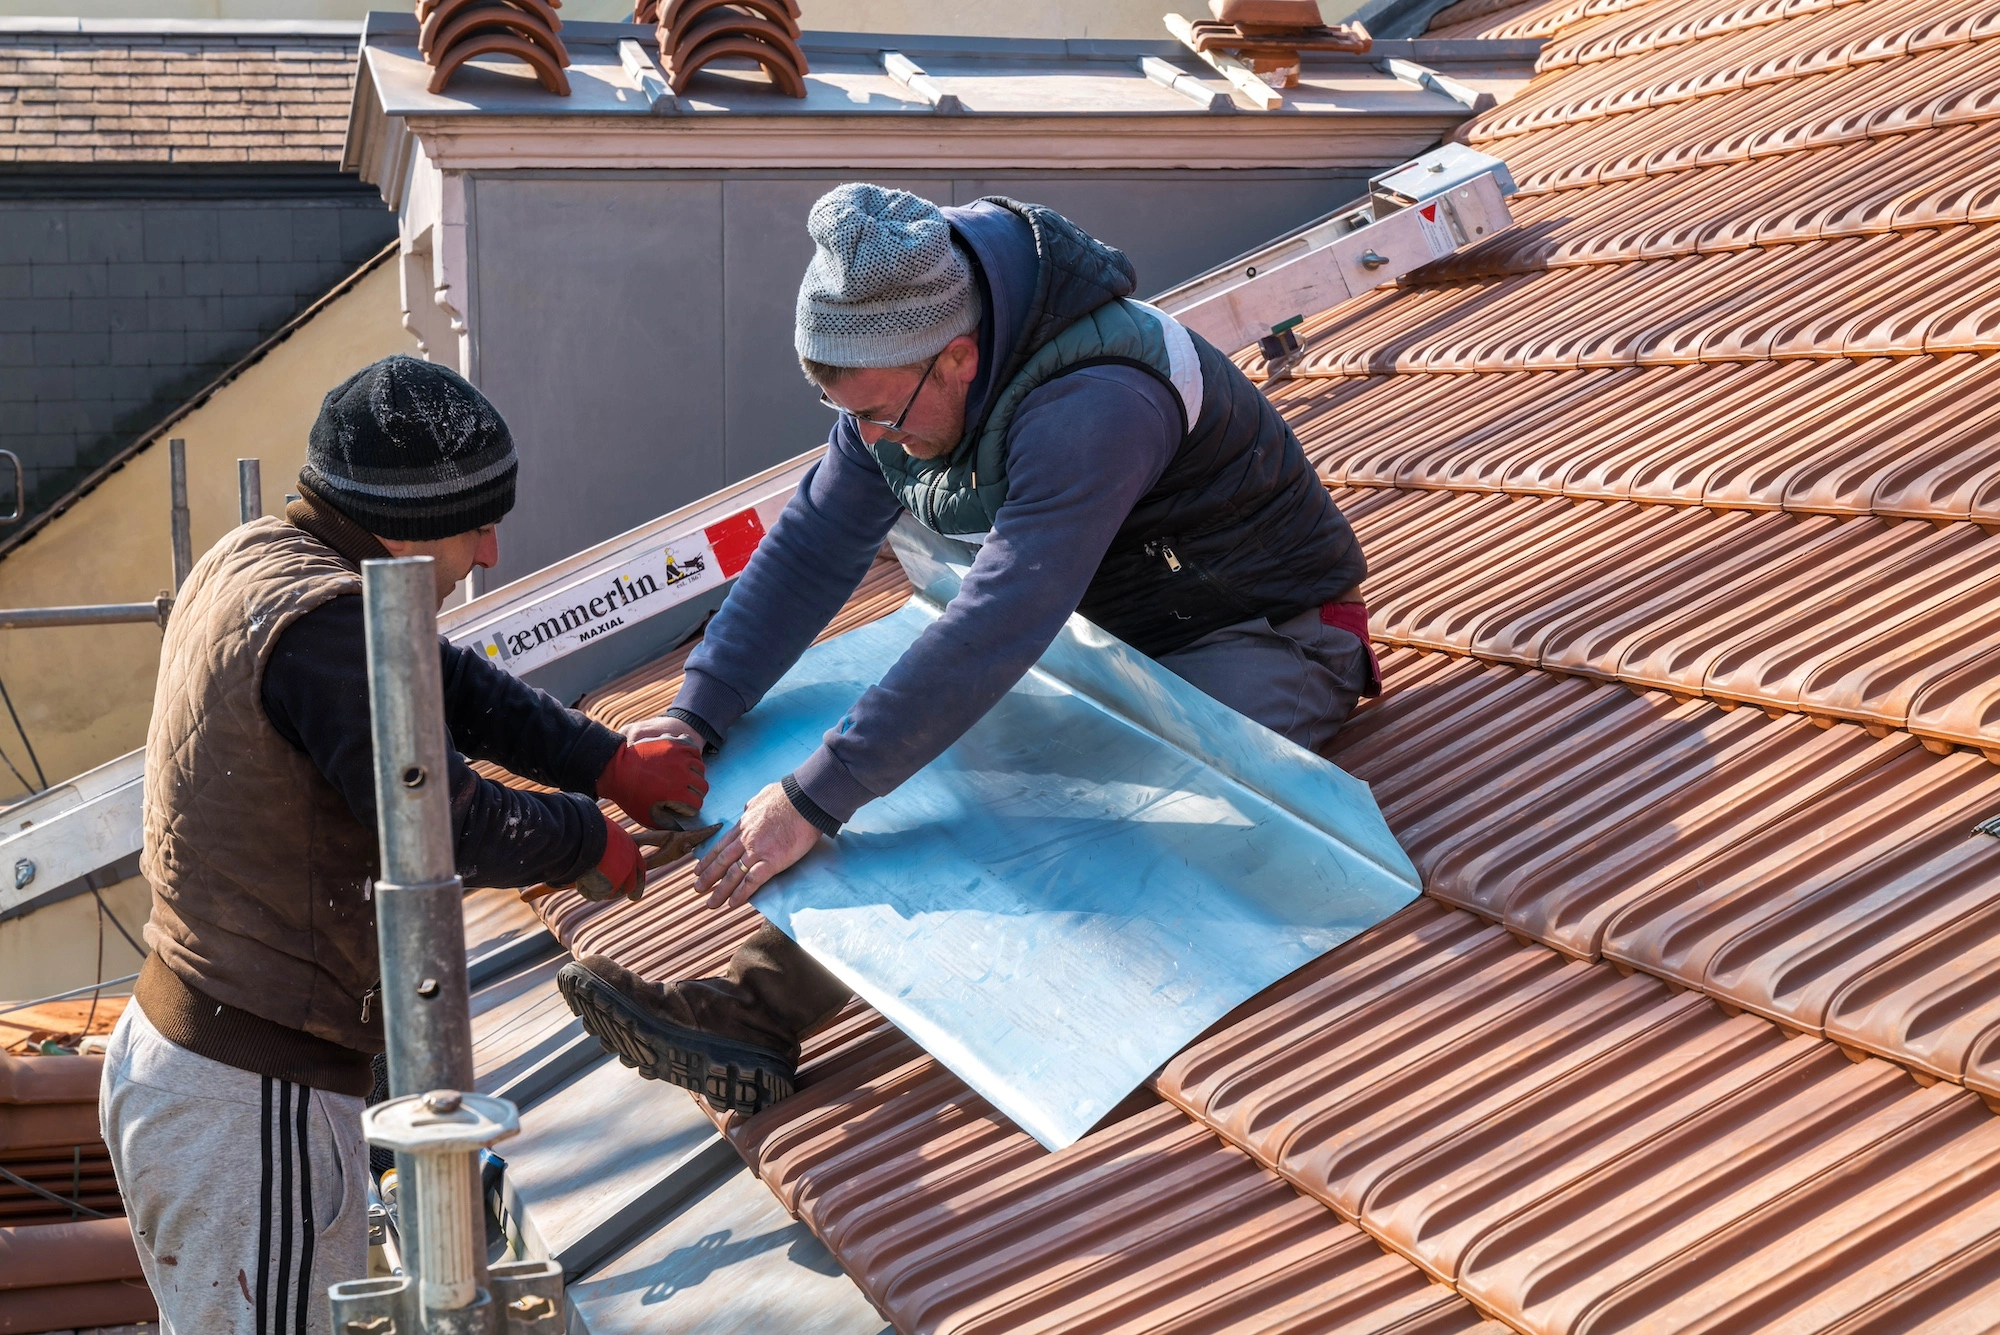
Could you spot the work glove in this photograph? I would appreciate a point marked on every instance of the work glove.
(621, 871)
(655, 781)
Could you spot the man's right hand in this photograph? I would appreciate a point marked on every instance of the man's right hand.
(620, 872)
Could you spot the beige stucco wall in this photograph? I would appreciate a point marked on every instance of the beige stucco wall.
(54, 948)
(85, 692)
(957, 18)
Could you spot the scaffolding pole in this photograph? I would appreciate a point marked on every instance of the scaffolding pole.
(249, 490)
(177, 520)
(435, 1127)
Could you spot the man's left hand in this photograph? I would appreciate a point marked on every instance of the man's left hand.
(771, 837)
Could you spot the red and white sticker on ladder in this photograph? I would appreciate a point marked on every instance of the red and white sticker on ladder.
(607, 602)
(1437, 232)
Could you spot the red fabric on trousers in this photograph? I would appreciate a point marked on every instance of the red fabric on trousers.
(1353, 618)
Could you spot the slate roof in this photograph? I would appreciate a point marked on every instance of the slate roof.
(78, 91)
(1676, 501)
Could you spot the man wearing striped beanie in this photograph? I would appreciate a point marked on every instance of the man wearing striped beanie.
(233, 1089)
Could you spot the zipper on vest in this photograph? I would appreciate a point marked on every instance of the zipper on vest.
(1160, 551)
(368, 1001)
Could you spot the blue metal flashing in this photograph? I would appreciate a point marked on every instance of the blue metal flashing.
(1099, 870)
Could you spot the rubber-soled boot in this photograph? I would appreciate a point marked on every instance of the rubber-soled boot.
(733, 1039)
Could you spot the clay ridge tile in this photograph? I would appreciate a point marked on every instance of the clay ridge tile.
(693, 34)
(455, 32)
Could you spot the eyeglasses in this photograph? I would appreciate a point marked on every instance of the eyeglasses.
(897, 425)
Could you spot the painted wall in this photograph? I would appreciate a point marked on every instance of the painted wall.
(85, 692)
(54, 948)
(956, 18)
(636, 329)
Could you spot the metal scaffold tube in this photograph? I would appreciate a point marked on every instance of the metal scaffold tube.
(436, 1128)
(179, 527)
(96, 614)
(417, 898)
(249, 490)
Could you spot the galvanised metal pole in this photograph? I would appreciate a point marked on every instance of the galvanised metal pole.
(179, 529)
(418, 912)
(249, 490)
(98, 614)
(419, 920)
(434, 1125)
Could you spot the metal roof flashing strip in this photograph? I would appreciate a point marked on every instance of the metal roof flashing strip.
(1125, 682)
(1100, 869)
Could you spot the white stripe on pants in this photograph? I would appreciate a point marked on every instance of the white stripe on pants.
(248, 1195)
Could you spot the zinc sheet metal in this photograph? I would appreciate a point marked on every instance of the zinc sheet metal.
(908, 1175)
(728, 1260)
(1100, 868)
(518, 1023)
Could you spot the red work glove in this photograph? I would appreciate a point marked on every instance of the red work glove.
(621, 871)
(650, 780)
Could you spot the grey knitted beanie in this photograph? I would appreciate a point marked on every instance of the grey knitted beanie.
(886, 286)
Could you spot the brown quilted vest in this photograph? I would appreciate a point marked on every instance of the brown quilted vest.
(259, 870)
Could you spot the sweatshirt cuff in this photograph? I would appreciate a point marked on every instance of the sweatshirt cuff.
(830, 787)
(591, 825)
(711, 740)
(591, 754)
(808, 808)
(714, 707)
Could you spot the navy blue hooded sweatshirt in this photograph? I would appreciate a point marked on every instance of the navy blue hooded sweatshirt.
(1064, 505)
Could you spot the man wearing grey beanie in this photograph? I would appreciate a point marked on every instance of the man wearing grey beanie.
(993, 379)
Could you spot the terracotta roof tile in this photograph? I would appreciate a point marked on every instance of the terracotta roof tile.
(1680, 502)
(103, 92)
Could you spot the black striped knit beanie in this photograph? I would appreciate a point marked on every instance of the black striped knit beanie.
(410, 450)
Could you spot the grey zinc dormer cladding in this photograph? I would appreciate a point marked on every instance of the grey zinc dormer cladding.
(170, 195)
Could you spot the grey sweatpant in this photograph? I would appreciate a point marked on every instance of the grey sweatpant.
(248, 1195)
(1299, 678)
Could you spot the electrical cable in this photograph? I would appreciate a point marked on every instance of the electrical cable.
(91, 1018)
(105, 909)
(9, 762)
(46, 1194)
(32, 758)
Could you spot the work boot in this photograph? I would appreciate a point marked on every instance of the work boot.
(733, 1039)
